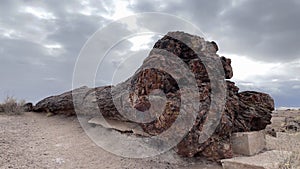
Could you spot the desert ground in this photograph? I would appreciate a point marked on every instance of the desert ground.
(33, 140)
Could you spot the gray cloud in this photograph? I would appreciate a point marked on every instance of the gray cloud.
(284, 92)
(283, 84)
(40, 40)
(29, 68)
(267, 31)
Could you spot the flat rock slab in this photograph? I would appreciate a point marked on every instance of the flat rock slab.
(267, 160)
(118, 125)
(248, 143)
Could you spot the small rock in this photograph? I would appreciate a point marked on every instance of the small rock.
(59, 161)
(28, 107)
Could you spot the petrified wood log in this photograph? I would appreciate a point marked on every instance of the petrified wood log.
(245, 111)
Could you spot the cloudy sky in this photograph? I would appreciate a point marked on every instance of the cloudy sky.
(41, 40)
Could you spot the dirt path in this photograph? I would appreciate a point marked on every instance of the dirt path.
(36, 141)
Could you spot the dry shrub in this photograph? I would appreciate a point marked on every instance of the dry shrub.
(290, 144)
(12, 106)
(292, 162)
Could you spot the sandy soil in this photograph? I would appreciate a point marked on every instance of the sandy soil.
(35, 141)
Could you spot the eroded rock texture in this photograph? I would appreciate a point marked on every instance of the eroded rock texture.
(244, 111)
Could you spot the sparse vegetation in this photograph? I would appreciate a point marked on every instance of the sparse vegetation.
(285, 127)
(12, 106)
(293, 162)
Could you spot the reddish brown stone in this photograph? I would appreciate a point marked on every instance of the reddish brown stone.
(245, 111)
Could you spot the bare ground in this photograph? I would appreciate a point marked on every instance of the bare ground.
(33, 140)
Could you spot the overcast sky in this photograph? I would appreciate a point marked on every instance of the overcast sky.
(41, 40)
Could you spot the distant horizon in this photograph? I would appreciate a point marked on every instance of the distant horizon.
(287, 108)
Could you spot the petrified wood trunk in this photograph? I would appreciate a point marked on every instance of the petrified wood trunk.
(245, 111)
